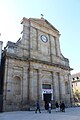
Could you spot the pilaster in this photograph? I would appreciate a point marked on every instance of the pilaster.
(39, 85)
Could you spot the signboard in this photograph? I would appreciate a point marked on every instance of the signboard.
(45, 91)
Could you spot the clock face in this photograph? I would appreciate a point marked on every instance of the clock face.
(44, 38)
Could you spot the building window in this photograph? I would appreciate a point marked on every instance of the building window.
(46, 86)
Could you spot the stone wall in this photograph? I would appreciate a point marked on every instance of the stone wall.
(23, 88)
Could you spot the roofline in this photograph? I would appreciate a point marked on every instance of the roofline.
(24, 18)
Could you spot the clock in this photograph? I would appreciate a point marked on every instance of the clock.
(44, 38)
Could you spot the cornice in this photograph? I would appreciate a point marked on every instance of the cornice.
(27, 59)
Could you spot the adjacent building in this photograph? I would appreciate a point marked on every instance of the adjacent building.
(35, 69)
(76, 88)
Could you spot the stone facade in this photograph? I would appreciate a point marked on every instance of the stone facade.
(35, 68)
(76, 88)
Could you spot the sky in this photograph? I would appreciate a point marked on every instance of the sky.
(63, 14)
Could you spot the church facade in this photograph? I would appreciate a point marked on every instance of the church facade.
(35, 69)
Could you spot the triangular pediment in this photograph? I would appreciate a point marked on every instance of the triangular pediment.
(44, 23)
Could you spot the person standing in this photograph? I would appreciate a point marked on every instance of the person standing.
(60, 106)
(63, 106)
(57, 106)
(37, 107)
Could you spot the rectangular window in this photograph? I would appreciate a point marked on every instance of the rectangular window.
(46, 86)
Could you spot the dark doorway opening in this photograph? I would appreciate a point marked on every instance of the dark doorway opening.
(47, 99)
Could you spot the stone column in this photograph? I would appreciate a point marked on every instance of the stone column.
(57, 47)
(5, 84)
(25, 84)
(32, 88)
(37, 38)
(38, 41)
(56, 87)
(39, 85)
(53, 50)
(53, 86)
(62, 86)
(59, 84)
(40, 89)
(70, 89)
(28, 89)
(30, 41)
(31, 85)
(50, 49)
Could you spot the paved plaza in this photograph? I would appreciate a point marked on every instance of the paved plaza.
(70, 114)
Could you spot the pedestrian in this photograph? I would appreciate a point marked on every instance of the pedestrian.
(49, 108)
(57, 106)
(37, 107)
(60, 106)
(63, 106)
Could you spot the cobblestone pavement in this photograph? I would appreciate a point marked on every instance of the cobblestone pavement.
(69, 114)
